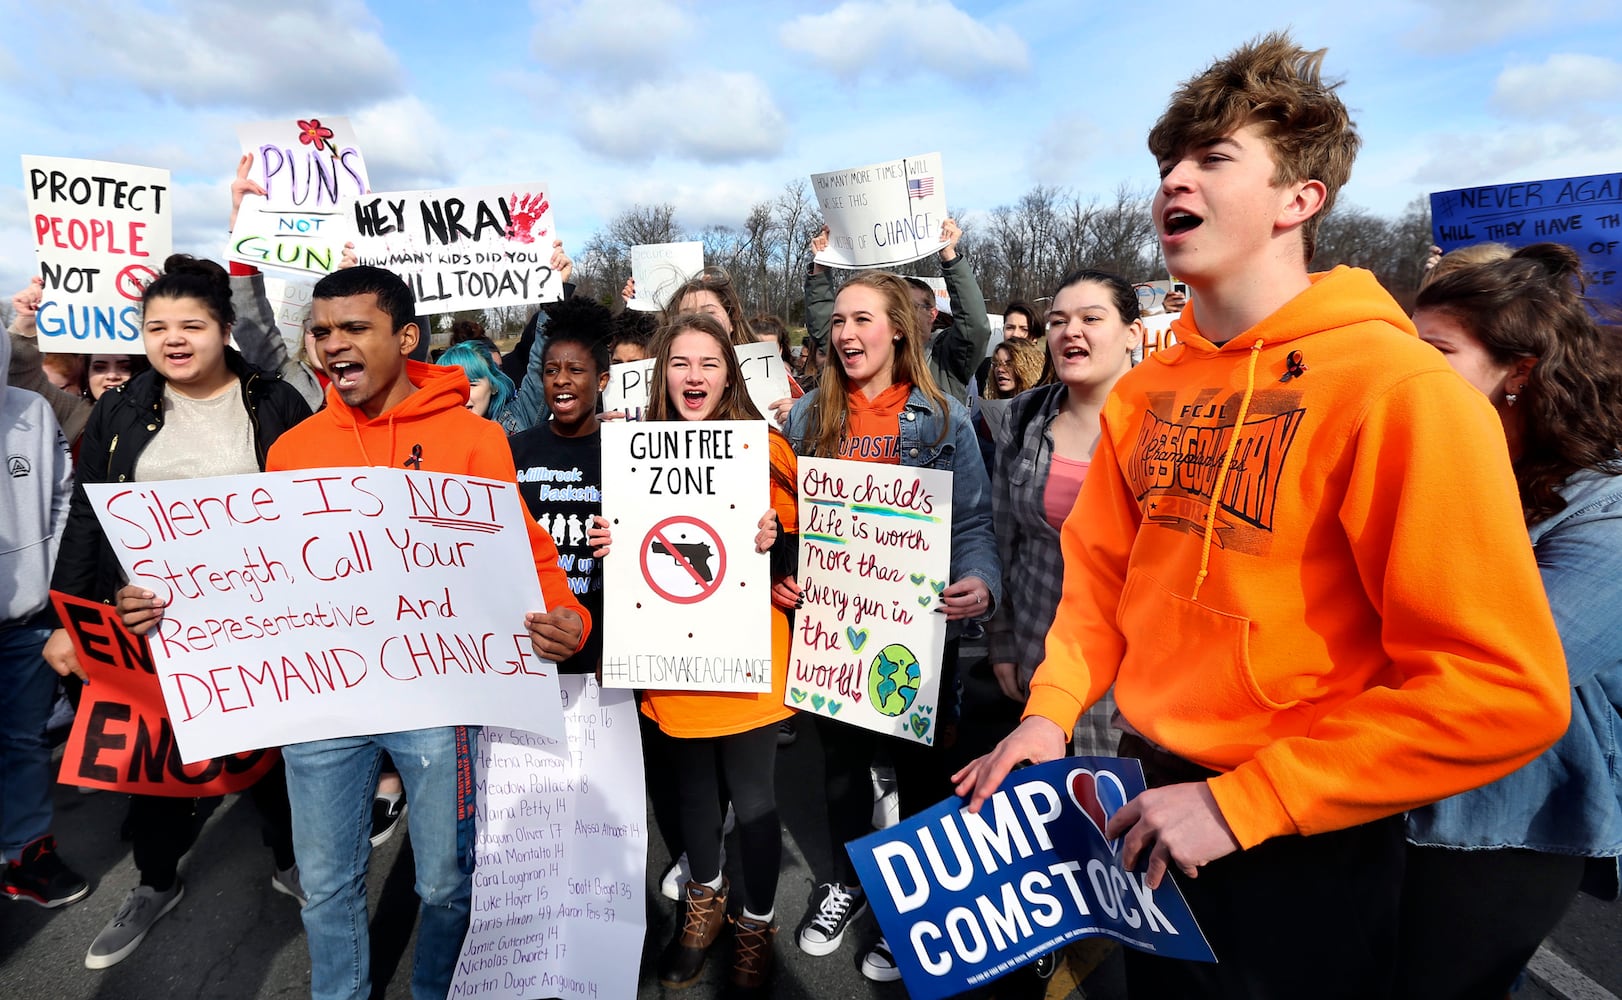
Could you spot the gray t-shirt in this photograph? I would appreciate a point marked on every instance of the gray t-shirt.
(200, 437)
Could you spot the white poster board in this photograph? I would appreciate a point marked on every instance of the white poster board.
(562, 856)
(661, 268)
(101, 233)
(875, 553)
(687, 598)
(883, 213)
(463, 248)
(630, 383)
(290, 299)
(312, 170)
(333, 602)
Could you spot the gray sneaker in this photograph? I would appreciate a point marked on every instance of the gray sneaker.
(286, 882)
(123, 934)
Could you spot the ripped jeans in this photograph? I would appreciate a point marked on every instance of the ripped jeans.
(331, 784)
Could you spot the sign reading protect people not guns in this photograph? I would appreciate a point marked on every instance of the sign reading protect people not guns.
(875, 553)
(312, 170)
(883, 213)
(463, 248)
(101, 233)
(333, 602)
(688, 599)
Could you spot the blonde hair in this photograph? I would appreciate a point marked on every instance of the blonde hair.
(1470, 256)
(1027, 360)
(831, 412)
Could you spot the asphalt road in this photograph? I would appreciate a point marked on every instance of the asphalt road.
(234, 937)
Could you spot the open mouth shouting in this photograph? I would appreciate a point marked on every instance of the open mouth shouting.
(345, 374)
(1176, 222)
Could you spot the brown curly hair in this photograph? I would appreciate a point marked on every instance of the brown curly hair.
(1531, 305)
(1279, 85)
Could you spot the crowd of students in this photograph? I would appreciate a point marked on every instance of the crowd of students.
(1342, 580)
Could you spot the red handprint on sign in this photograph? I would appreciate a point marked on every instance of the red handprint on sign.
(527, 211)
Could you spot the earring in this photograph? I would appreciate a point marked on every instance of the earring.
(1510, 398)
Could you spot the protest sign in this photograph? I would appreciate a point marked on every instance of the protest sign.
(688, 599)
(883, 213)
(661, 268)
(312, 170)
(463, 248)
(1585, 213)
(121, 739)
(562, 856)
(630, 383)
(1157, 335)
(101, 233)
(966, 897)
(333, 602)
(290, 299)
(875, 553)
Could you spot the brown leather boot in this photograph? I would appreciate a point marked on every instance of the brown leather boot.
(752, 958)
(683, 958)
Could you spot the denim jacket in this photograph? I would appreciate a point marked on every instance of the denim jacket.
(974, 544)
(1569, 799)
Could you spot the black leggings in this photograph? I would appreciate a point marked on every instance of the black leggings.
(749, 762)
(1471, 920)
(163, 828)
(847, 752)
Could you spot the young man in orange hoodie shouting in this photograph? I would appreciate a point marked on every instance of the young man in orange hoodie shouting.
(384, 409)
(1296, 562)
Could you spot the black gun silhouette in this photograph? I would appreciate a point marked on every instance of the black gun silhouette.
(697, 553)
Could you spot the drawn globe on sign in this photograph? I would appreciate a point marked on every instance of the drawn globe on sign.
(893, 679)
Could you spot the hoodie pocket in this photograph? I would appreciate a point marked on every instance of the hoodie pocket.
(1192, 661)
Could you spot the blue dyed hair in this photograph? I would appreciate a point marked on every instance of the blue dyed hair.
(474, 358)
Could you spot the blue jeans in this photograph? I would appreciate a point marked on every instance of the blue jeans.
(25, 758)
(331, 784)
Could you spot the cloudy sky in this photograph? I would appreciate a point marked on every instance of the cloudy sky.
(713, 105)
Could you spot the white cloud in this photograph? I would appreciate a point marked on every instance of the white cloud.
(1460, 25)
(280, 58)
(608, 41)
(709, 116)
(1561, 86)
(1058, 154)
(1523, 153)
(902, 37)
(405, 145)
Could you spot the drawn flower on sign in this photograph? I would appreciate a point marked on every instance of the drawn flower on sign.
(313, 133)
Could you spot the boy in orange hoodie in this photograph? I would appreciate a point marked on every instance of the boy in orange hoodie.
(383, 409)
(1296, 560)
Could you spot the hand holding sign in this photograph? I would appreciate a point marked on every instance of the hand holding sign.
(1178, 824)
(139, 609)
(1036, 740)
(554, 634)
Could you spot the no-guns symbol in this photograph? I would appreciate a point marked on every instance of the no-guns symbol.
(132, 281)
(683, 560)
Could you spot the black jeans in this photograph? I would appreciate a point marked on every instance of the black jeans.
(1291, 917)
(163, 828)
(1471, 920)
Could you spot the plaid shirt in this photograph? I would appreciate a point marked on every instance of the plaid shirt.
(1028, 547)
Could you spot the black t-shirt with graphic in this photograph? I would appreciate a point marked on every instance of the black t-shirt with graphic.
(561, 480)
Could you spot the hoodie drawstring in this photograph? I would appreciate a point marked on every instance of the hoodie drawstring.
(1222, 470)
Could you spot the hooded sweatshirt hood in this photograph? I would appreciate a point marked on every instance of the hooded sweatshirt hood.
(377, 440)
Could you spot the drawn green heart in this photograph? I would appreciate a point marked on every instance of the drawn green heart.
(857, 637)
(917, 578)
(796, 694)
(816, 701)
(834, 706)
(937, 585)
(920, 725)
(924, 602)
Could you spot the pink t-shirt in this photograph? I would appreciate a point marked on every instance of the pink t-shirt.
(1064, 482)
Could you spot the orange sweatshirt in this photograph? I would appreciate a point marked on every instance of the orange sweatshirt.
(1338, 607)
(433, 428)
(724, 713)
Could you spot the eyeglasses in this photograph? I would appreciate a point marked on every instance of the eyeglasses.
(1002, 365)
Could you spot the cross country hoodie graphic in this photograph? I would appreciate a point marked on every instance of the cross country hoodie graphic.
(1279, 576)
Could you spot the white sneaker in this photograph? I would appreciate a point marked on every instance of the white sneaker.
(879, 965)
(286, 882)
(679, 874)
(124, 933)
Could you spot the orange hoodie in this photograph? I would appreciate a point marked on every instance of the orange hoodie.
(435, 431)
(1338, 607)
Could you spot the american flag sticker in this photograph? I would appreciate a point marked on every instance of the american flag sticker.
(921, 187)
